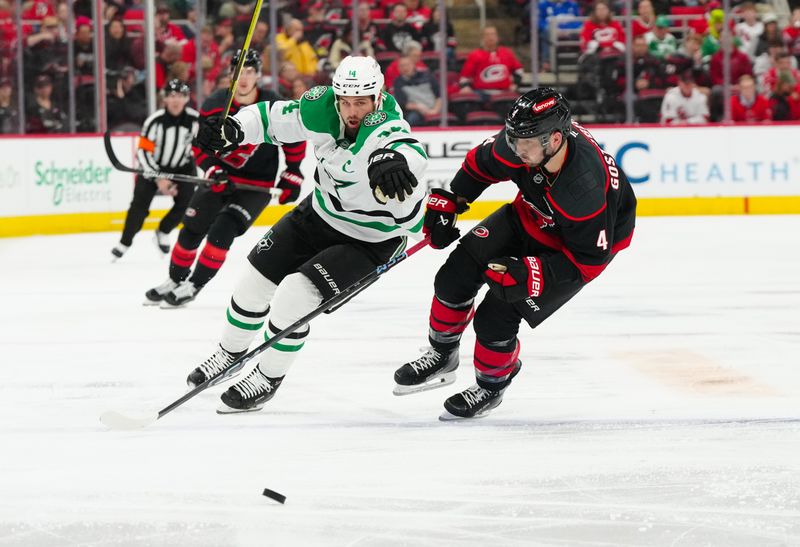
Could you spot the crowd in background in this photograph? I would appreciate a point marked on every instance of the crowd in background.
(677, 69)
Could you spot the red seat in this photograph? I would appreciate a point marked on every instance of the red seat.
(502, 102)
(462, 104)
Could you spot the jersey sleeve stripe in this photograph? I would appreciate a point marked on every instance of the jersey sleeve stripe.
(262, 109)
(211, 111)
(471, 166)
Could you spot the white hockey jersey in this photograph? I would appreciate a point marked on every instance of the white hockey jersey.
(677, 108)
(342, 196)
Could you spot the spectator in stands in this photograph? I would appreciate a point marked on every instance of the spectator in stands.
(647, 70)
(9, 121)
(165, 30)
(785, 99)
(83, 47)
(548, 11)
(118, 46)
(747, 105)
(169, 55)
(416, 92)
(398, 32)
(771, 33)
(740, 63)
(287, 74)
(767, 61)
(783, 65)
(295, 48)
(646, 20)
(711, 44)
(210, 58)
(413, 51)
(684, 103)
(260, 38)
(431, 39)
(8, 27)
(126, 101)
(47, 53)
(660, 42)
(343, 45)
(491, 68)
(367, 30)
(298, 88)
(418, 13)
(225, 39)
(791, 34)
(43, 116)
(749, 29)
(319, 32)
(601, 33)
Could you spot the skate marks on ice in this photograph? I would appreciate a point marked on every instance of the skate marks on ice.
(688, 370)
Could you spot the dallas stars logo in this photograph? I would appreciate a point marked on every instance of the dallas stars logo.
(315, 93)
(374, 118)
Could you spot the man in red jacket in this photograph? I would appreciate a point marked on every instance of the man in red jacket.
(748, 105)
(490, 68)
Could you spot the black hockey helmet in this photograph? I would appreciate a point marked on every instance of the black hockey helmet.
(176, 86)
(538, 113)
(251, 58)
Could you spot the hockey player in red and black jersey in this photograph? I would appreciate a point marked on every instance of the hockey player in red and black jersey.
(229, 207)
(574, 212)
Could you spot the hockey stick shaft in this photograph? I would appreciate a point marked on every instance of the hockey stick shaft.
(347, 293)
(238, 70)
(177, 177)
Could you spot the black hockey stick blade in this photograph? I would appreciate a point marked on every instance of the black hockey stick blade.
(115, 420)
(177, 177)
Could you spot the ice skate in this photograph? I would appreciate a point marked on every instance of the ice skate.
(119, 250)
(434, 369)
(475, 401)
(250, 394)
(154, 296)
(216, 363)
(180, 295)
(161, 241)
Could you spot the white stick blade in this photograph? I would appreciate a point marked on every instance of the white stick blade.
(115, 420)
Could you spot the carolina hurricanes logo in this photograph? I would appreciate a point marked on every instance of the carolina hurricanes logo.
(494, 73)
(191, 212)
(544, 105)
(605, 34)
(481, 232)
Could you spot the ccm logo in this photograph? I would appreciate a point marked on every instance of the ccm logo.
(538, 107)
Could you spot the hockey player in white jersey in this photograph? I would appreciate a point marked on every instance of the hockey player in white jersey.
(365, 202)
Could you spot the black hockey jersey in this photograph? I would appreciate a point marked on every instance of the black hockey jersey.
(249, 164)
(585, 212)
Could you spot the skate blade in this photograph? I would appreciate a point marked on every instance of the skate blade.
(164, 305)
(225, 409)
(447, 417)
(434, 383)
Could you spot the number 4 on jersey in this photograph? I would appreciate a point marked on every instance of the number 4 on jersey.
(602, 240)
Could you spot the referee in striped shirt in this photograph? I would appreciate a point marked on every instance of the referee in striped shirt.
(165, 144)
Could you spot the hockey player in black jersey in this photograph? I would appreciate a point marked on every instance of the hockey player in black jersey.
(164, 145)
(227, 209)
(574, 212)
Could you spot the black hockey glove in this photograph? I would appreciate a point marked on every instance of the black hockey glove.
(513, 279)
(216, 136)
(389, 176)
(290, 182)
(218, 180)
(440, 218)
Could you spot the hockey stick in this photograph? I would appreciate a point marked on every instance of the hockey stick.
(116, 420)
(238, 70)
(177, 177)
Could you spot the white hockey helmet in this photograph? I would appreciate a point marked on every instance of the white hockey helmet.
(358, 76)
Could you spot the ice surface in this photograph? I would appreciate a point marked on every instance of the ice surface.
(659, 407)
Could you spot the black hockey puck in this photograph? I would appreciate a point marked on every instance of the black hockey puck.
(272, 494)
